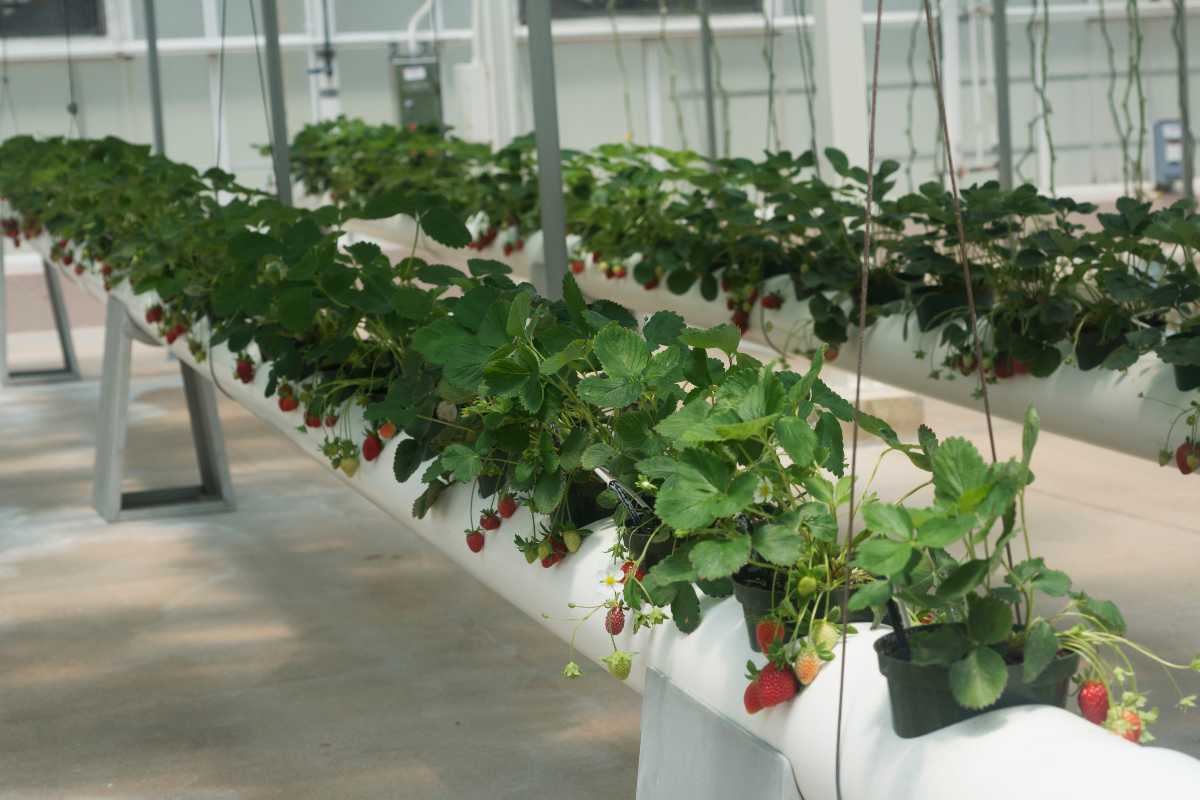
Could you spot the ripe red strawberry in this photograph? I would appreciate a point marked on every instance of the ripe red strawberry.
(558, 546)
(289, 402)
(1005, 367)
(773, 301)
(175, 333)
(1130, 726)
(330, 420)
(1187, 457)
(808, 665)
(68, 258)
(1093, 701)
(775, 686)
(475, 540)
(312, 420)
(650, 285)
(742, 320)
(628, 565)
(387, 430)
(106, 270)
(751, 699)
(508, 249)
(831, 354)
(766, 632)
(489, 521)
(244, 370)
(79, 269)
(507, 506)
(519, 244)
(577, 266)
(551, 560)
(154, 314)
(372, 447)
(614, 621)
(62, 244)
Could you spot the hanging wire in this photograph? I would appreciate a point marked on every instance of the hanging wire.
(6, 98)
(262, 80)
(868, 260)
(72, 104)
(626, 95)
(673, 77)
(768, 54)
(807, 72)
(221, 82)
(1114, 112)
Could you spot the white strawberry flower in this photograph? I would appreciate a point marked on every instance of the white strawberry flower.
(762, 492)
(611, 577)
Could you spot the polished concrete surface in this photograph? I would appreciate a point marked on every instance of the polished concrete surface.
(308, 646)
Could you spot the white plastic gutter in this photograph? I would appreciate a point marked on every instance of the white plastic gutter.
(1035, 752)
(1130, 411)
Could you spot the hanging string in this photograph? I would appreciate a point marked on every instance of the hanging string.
(768, 54)
(72, 105)
(6, 98)
(620, 56)
(807, 73)
(911, 100)
(221, 82)
(868, 260)
(1038, 53)
(262, 80)
(1134, 82)
(673, 77)
(1114, 112)
(726, 129)
(1178, 33)
(939, 165)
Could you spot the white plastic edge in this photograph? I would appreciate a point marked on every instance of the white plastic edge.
(1030, 752)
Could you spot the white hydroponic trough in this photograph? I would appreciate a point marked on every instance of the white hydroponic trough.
(1130, 411)
(1031, 752)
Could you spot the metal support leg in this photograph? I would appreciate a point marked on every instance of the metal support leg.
(690, 751)
(215, 491)
(69, 371)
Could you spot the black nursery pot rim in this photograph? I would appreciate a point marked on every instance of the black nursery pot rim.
(922, 702)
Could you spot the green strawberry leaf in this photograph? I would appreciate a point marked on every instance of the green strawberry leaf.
(978, 680)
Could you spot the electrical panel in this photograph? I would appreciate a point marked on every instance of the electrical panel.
(418, 85)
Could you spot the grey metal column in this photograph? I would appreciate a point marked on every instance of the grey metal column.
(1004, 146)
(279, 133)
(1185, 113)
(156, 110)
(69, 371)
(215, 491)
(681, 742)
(549, 154)
(710, 107)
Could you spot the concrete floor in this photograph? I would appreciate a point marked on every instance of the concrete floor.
(307, 645)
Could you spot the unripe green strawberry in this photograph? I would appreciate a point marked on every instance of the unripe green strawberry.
(348, 466)
(619, 664)
(530, 555)
(806, 585)
(543, 548)
(572, 539)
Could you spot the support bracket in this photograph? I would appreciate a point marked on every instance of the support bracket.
(214, 492)
(69, 371)
(690, 751)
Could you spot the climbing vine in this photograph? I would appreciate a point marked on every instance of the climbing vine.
(620, 56)
(807, 69)
(1038, 65)
(673, 76)
(768, 54)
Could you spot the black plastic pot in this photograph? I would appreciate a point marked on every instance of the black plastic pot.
(923, 703)
(1092, 348)
(1187, 377)
(757, 600)
(582, 506)
(638, 541)
(936, 304)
